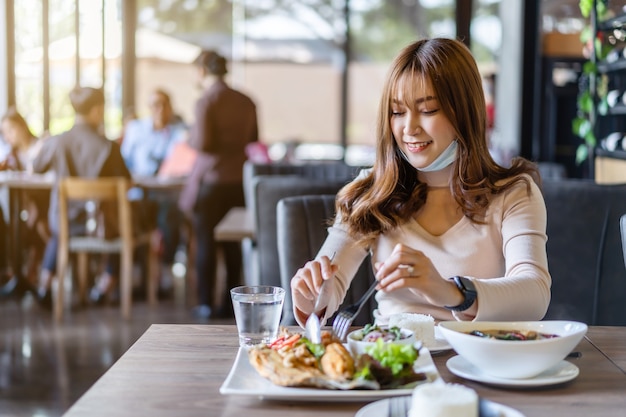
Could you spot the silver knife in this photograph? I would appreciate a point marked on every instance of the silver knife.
(313, 327)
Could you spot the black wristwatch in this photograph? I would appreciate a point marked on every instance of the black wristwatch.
(467, 288)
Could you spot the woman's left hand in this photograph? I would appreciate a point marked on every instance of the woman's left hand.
(412, 269)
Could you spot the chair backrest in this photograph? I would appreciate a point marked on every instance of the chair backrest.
(622, 229)
(319, 171)
(584, 249)
(110, 193)
(269, 190)
(266, 184)
(301, 230)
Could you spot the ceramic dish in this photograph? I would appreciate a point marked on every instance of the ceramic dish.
(487, 409)
(244, 380)
(562, 372)
(440, 345)
(358, 346)
(510, 355)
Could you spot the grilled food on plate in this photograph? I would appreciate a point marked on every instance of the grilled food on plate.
(294, 361)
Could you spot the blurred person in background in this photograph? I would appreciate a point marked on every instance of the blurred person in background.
(129, 114)
(24, 147)
(5, 270)
(225, 123)
(82, 151)
(147, 143)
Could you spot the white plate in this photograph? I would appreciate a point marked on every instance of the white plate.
(440, 345)
(244, 380)
(562, 372)
(487, 409)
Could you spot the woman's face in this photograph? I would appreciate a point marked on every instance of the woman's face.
(419, 126)
(10, 132)
(161, 110)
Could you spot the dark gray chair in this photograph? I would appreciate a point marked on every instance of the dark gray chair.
(268, 184)
(302, 228)
(584, 249)
(319, 171)
(622, 229)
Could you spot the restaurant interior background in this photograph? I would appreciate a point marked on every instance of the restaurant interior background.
(314, 67)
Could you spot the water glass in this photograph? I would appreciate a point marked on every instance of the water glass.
(257, 313)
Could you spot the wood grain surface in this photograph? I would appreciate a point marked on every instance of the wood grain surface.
(177, 370)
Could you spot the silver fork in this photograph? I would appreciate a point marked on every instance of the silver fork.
(398, 407)
(345, 317)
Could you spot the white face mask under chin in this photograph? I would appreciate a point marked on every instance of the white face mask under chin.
(444, 159)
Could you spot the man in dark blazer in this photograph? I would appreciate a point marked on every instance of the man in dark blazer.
(82, 151)
(225, 122)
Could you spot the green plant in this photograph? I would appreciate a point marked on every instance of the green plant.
(592, 98)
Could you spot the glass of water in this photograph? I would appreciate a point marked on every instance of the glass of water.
(257, 313)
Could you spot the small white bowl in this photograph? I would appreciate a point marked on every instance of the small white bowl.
(357, 346)
(513, 359)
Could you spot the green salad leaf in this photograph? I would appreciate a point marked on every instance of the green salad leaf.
(393, 355)
(364, 372)
(317, 349)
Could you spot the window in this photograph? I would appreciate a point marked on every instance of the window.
(289, 56)
(47, 65)
(380, 29)
(29, 63)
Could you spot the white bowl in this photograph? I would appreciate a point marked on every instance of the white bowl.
(513, 359)
(357, 346)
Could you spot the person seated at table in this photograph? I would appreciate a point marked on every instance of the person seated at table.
(24, 147)
(451, 233)
(147, 143)
(5, 271)
(128, 115)
(82, 151)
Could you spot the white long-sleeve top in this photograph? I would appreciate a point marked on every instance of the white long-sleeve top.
(505, 257)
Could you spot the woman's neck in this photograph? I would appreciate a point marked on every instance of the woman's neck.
(436, 179)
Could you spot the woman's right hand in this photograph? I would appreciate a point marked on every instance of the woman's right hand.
(307, 283)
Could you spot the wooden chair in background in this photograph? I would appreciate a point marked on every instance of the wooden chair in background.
(110, 191)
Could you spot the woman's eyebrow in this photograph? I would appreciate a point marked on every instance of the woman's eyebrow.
(425, 99)
(418, 101)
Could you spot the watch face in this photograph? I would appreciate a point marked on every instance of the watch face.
(467, 284)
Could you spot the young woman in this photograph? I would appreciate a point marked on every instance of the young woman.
(24, 149)
(451, 233)
(24, 145)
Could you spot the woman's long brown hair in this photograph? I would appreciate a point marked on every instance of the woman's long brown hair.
(13, 116)
(392, 193)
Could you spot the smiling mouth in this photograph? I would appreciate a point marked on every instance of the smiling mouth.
(417, 146)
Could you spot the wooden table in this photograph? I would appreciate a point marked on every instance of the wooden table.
(612, 345)
(236, 226)
(170, 186)
(177, 370)
(19, 183)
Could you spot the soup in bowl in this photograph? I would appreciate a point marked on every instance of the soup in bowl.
(522, 349)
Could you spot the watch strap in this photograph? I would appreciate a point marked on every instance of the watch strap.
(466, 286)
